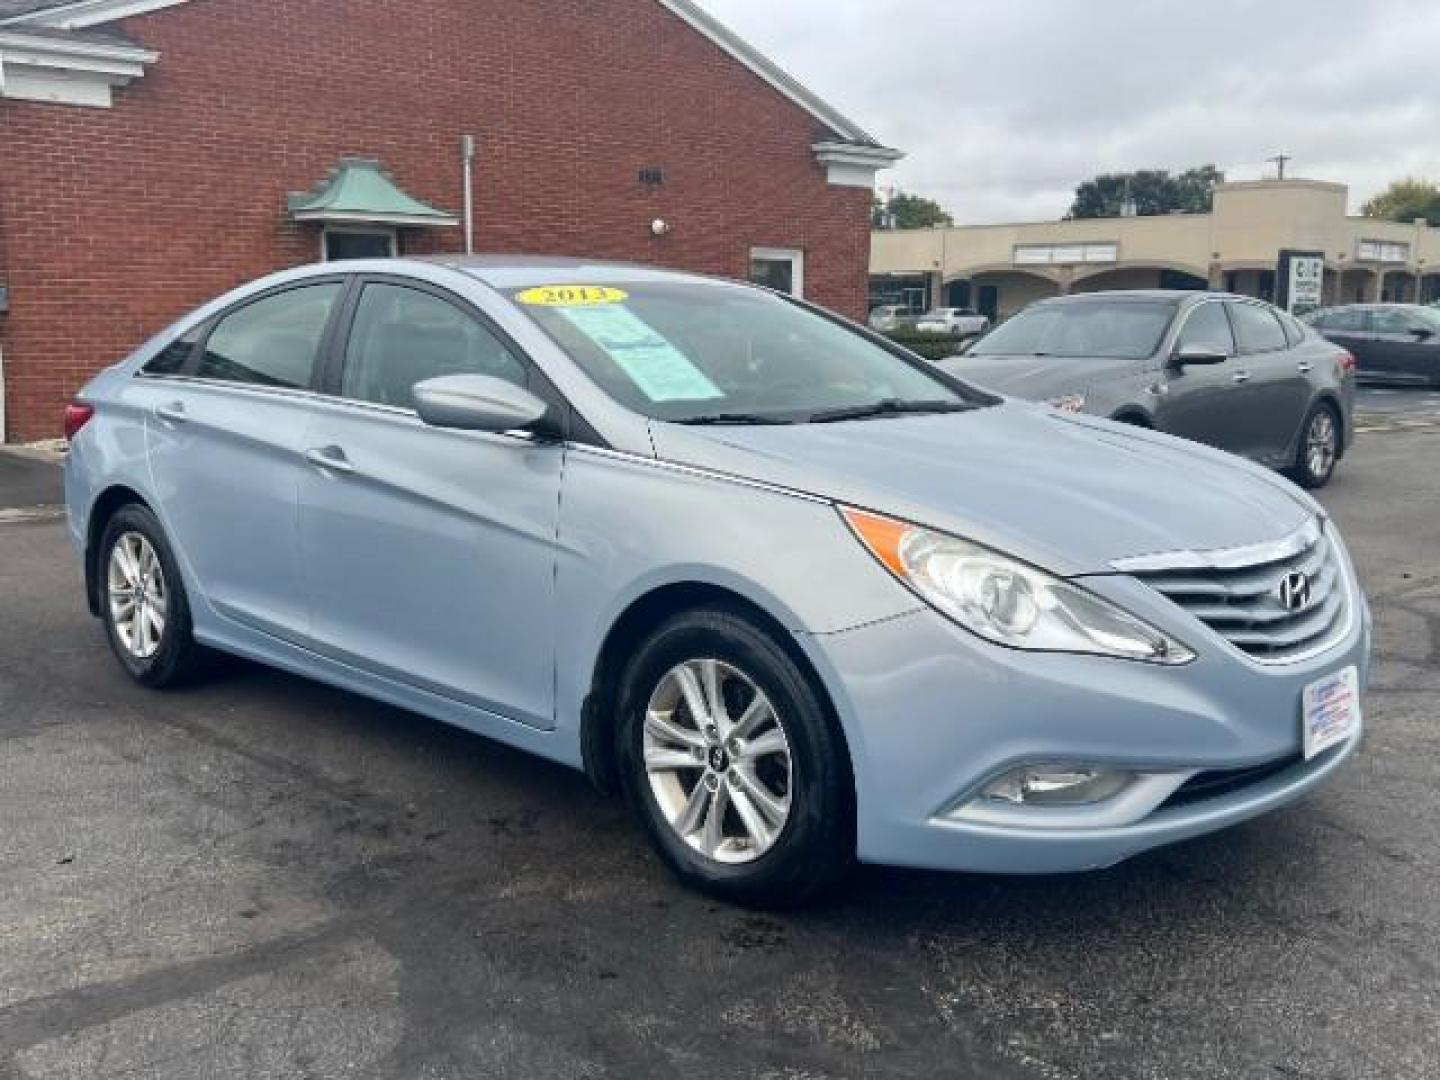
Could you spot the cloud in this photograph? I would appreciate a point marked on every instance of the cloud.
(1004, 107)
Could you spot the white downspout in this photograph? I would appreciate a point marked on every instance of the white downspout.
(467, 157)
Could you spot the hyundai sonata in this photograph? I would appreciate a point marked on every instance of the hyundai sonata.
(805, 599)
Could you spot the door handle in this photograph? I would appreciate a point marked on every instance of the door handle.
(1240, 377)
(173, 413)
(1305, 367)
(330, 459)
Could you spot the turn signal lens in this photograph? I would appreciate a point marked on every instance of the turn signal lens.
(1006, 601)
(77, 415)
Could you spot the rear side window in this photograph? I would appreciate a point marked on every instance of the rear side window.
(1256, 329)
(1352, 319)
(172, 359)
(403, 336)
(272, 342)
(1208, 328)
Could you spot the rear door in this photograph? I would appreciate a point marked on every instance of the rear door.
(1403, 349)
(223, 435)
(1350, 329)
(429, 555)
(1269, 380)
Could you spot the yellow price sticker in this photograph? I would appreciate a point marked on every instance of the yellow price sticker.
(571, 296)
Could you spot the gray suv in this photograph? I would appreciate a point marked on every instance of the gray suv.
(1229, 371)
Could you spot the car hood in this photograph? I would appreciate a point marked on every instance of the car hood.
(1068, 493)
(1040, 378)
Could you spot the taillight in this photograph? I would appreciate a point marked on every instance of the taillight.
(77, 415)
(1347, 363)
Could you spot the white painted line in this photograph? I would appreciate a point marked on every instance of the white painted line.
(32, 513)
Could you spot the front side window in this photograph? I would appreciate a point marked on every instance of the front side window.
(403, 336)
(1209, 329)
(1257, 329)
(271, 342)
(1099, 329)
(699, 352)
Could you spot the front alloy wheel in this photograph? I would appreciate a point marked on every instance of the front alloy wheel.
(733, 760)
(718, 761)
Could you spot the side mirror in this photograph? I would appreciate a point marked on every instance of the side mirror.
(1423, 333)
(477, 403)
(1198, 354)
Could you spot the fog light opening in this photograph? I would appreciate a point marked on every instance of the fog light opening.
(1056, 785)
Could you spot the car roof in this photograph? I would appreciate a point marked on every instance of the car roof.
(523, 271)
(1174, 296)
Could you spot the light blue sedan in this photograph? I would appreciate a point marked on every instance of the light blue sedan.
(804, 598)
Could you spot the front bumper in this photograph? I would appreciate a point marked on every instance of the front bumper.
(931, 713)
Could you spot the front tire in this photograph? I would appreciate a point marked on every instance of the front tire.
(1319, 448)
(143, 602)
(733, 764)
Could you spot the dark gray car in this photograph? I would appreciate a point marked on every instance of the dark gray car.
(1228, 371)
(1397, 343)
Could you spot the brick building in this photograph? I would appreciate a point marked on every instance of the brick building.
(154, 153)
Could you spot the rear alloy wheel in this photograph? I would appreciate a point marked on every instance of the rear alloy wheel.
(733, 763)
(1319, 448)
(143, 601)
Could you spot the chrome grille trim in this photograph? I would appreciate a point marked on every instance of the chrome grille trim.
(1235, 593)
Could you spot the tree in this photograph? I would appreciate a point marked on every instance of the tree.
(1405, 200)
(1152, 191)
(903, 211)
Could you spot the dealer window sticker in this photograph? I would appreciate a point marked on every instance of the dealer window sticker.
(661, 371)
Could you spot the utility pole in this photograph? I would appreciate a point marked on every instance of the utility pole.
(1280, 161)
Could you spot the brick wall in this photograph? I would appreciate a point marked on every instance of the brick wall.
(117, 221)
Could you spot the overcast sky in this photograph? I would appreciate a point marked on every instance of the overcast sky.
(1005, 105)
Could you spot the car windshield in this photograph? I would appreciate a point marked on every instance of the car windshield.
(1102, 329)
(693, 352)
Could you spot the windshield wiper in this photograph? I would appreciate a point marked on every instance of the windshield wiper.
(732, 418)
(888, 407)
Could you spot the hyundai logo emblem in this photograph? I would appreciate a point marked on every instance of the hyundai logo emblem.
(1294, 591)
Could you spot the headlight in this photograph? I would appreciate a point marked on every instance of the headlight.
(1006, 601)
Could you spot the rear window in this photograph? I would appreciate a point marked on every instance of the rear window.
(1102, 329)
(1257, 329)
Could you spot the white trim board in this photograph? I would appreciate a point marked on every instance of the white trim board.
(79, 14)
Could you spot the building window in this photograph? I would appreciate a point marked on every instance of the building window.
(1065, 254)
(1382, 251)
(781, 269)
(348, 243)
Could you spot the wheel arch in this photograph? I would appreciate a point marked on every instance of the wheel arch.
(102, 510)
(641, 617)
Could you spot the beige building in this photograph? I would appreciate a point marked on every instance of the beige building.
(1001, 268)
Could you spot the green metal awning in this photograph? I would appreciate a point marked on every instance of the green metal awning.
(361, 191)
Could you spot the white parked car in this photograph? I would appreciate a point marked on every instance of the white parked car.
(889, 317)
(958, 322)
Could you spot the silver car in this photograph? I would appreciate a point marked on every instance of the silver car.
(804, 599)
(1227, 371)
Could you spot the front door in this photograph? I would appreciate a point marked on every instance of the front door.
(224, 448)
(1208, 403)
(429, 555)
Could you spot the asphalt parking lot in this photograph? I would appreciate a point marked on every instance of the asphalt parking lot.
(262, 877)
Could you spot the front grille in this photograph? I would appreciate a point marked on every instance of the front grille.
(1240, 594)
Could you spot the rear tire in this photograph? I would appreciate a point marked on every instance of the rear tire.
(762, 813)
(1319, 448)
(143, 602)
